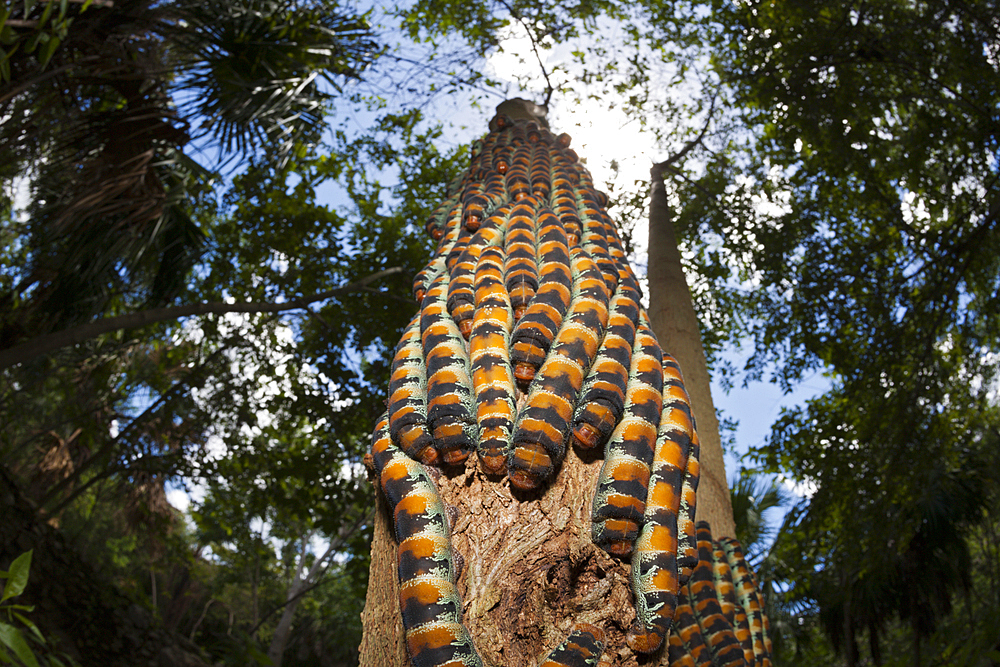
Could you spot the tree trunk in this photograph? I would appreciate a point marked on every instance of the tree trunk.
(530, 571)
(671, 312)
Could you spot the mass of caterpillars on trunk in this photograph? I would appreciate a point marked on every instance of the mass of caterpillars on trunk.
(531, 338)
(719, 620)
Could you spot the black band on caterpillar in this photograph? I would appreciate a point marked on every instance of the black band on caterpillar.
(686, 627)
(731, 607)
(748, 596)
(687, 547)
(408, 397)
(583, 648)
(449, 388)
(521, 264)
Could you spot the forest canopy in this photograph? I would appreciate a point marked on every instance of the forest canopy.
(211, 214)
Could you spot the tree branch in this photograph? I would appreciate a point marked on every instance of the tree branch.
(44, 344)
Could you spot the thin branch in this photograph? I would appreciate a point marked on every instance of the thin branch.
(549, 88)
(319, 578)
(60, 339)
(689, 146)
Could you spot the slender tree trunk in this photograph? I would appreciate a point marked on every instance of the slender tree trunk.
(675, 323)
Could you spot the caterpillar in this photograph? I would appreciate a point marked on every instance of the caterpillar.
(491, 373)
(746, 593)
(449, 388)
(731, 607)
(534, 332)
(687, 548)
(428, 598)
(521, 265)
(620, 499)
(438, 221)
(540, 435)
(655, 575)
(407, 392)
(603, 399)
(677, 654)
(583, 648)
(594, 239)
(686, 627)
(726, 650)
(460, 296)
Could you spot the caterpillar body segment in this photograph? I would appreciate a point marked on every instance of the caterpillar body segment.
(450, 406)
(594, 240)
(603, 398)
(749, 599)
(731, 607)
(655, 575)
(677, 654)
(430, 604)
(726, 650)
(407, 397)
(536, 330)
(687, 628)
(687, 546)
(438, 221)
(620, 499)
(583, 648)
(521, 265)
(492, 378)
(461, 300)
(543, 427)
(541, 172)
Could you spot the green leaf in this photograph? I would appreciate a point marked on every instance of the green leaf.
(31, 626)
(12, 638)
(17, 576)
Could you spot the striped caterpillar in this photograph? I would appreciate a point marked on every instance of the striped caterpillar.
(711, 626)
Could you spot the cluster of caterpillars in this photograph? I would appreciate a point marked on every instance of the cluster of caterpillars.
(719, 620)
(530, 336)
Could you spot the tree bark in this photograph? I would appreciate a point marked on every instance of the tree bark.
(530, 571)
(675, 323)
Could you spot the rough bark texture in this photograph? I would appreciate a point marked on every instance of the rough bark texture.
(530, 571)
(675, 323)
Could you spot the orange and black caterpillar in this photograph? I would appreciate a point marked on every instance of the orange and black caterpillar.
(449, 387)
(655, 572)
(543, 426)
(521, 263)
(583, 648)
(603, 398)
(428, 598)
(492, 379)
(535, 331)
(460, 290)
(407, 397)
(749, 598)
(620, 499)
(731, 607)
(703, 627)
(725, 648)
